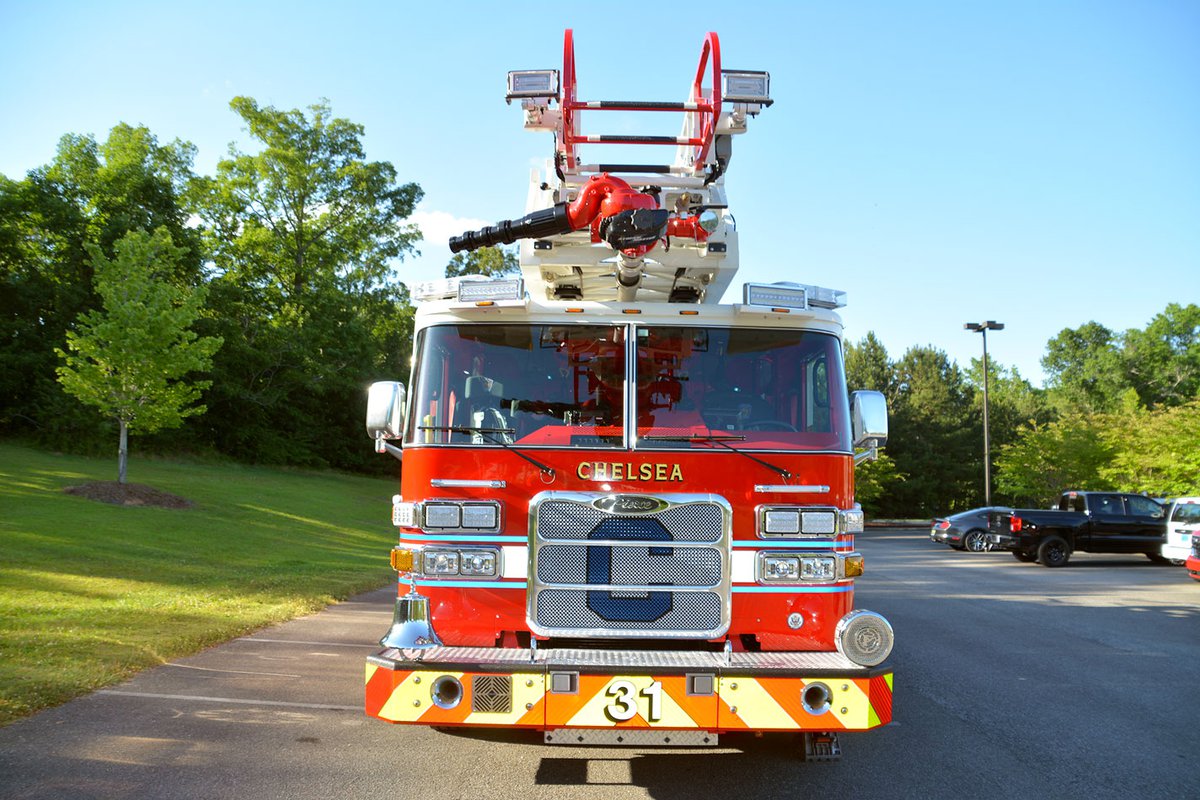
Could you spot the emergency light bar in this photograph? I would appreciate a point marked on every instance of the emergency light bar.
(474, 291)
(469, 289)
(792, 295)
(745, 86)
(532, 83)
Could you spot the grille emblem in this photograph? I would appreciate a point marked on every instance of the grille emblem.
(629, 504)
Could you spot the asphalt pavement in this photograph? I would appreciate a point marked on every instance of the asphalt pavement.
(1012, 680)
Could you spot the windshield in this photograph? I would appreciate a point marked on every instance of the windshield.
(561, 385)
(1186, 513)
(565, 386)
(756, 388)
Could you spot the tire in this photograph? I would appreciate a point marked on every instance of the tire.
(1054, 552)
(975, 541)
(1023, 557)
(1159, 558)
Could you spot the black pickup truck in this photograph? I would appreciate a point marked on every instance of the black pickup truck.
(1093, 522)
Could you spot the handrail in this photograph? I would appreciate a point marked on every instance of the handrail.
(705, 110)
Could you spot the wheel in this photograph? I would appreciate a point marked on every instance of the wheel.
(975, 541)
(1053, 552)
(769, 425)
(1159, 558)
(1026, 558)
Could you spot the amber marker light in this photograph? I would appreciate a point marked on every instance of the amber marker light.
(854, 566)
(631, 311)
(402, 560)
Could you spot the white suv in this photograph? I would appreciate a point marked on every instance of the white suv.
(1183, 520)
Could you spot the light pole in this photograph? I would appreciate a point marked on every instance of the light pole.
(984, 327)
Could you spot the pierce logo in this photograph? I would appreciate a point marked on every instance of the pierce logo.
(629, 504)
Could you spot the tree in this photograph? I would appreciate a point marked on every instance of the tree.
(1154, 450)
(1163, 361)
(90, 193)
(1085, 372)
(493, 262)
(131, 358)
(304, 235)
(867, 365)
(1068, 453)
(935, 436)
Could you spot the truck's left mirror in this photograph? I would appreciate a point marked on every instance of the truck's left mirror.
(385, 412)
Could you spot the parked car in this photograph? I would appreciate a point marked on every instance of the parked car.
(1092, 522)
(1183, 519)
(966, 530)
(1193, 559)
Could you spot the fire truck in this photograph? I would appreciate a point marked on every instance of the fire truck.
(626, 510)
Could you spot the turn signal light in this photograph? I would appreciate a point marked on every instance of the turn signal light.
(854, 566)
(402, 560)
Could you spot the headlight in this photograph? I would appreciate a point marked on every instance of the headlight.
(441, 562)
(481, 563)
(788, 522)
(793, 568)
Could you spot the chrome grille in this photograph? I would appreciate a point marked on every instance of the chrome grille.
(658, 573)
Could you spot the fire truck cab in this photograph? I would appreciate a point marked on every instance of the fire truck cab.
(627, 510)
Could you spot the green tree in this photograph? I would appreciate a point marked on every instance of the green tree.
(1154, 450)
(92, 192)
(1085, 372)
(131, 358)
(304, 235)
(1163, 360)
(493, 262)
(867, 365)
(1068, 453)
(935, 436)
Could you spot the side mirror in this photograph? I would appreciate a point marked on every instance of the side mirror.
(869, 419)
(385, 413)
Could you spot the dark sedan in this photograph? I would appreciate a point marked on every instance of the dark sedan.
(966, 530)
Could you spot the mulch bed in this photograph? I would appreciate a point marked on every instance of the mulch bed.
(128, 494)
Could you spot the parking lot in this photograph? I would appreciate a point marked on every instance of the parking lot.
(1012, 680)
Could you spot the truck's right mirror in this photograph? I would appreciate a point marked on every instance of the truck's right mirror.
(385, 412)
(869, 418)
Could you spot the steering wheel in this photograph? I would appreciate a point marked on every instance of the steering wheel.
(769, 425)
(492, 417)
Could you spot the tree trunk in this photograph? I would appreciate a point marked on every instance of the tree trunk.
(122, 453)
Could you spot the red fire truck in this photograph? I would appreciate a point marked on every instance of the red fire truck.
(627, 510)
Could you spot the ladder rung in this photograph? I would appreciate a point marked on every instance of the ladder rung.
(663, 168)
(618, 139)
(638, 105)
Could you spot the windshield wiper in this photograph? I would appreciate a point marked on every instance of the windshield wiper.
(722, 440)
(487, 434)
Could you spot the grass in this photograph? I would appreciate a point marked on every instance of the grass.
(91, 593)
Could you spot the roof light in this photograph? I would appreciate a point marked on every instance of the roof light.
(532, 83)
(746, 86)
(775, 295)
(792, 295)
(475, 291)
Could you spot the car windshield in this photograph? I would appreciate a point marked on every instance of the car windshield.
(567, 386)
(1187, 513)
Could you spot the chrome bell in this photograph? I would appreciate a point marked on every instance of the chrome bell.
(412, 628)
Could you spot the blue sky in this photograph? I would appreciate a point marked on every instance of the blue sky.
(1036, 163)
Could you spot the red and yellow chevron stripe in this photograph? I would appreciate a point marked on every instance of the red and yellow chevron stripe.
(737, 702)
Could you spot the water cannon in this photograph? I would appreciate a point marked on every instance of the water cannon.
(628, 220)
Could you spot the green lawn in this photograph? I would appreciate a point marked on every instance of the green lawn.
(91, 593)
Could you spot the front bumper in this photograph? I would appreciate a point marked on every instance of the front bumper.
(551, 690)
(1193, 566)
